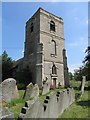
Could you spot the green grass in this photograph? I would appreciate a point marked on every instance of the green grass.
(43, 97)
(21, 93)
(76, 84)
(81, 107)
(16, 105)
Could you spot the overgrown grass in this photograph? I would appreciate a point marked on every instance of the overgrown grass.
(81, 107)
(76, 84)
(50, 92)
(16, 105)
(42, 97)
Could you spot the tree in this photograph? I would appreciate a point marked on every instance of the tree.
(87, 58)
(7, 64)
(78, 74)
(84, 70)
(87, 63)
(70, 76)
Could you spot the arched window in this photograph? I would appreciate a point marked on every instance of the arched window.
(31, 29)
(53, 48)
(54, 69)
(52, 25)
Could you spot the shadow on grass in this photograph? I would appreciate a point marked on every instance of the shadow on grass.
(77, 96)
(84, 103)
(76, 88)
(87, 88)
(79, 88)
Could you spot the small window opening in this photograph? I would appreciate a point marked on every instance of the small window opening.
(31, 30)
(52, 25)
(54, 69)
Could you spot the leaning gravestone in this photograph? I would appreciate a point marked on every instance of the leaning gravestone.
(5, 113)
(28, 91)
(0, 93)
(35, 92)
(46, 88)
(8, 90)
(83, 84)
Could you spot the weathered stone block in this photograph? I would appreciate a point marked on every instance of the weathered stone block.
(28, 91)
(5, 113)
(46, 88)
(8, 90)
(50, 108)
(35, 92)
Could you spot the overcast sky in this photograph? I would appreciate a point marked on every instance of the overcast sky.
(74, 14)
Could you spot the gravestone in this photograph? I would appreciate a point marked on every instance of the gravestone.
(5, 113)
(0, 92)
(28, 91)
(8, 90)
(83, 84)
(35, 92)
(46, 88)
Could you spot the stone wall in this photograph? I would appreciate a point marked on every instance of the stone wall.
(52, 107)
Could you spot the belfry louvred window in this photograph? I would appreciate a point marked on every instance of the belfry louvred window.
(31, 29)
(52, 25)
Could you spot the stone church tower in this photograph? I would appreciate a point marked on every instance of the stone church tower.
(44, 49)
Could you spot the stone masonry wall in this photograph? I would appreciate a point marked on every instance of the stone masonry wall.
(52, 107)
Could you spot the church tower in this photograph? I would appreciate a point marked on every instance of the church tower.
(44, 46)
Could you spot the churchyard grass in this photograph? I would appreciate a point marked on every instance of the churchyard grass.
(42, 97)
(16, 105)
(81, 107)
(50, 92)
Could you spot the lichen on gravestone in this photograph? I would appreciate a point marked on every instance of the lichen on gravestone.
(28, 91)
(5, 113)
(35, 92)
(8, 90)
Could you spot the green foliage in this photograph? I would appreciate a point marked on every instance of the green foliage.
(7, 64)
(87, 63)
(70, 76)
(84, 70)
(14, 102)
(16, 105)
(78, 74)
